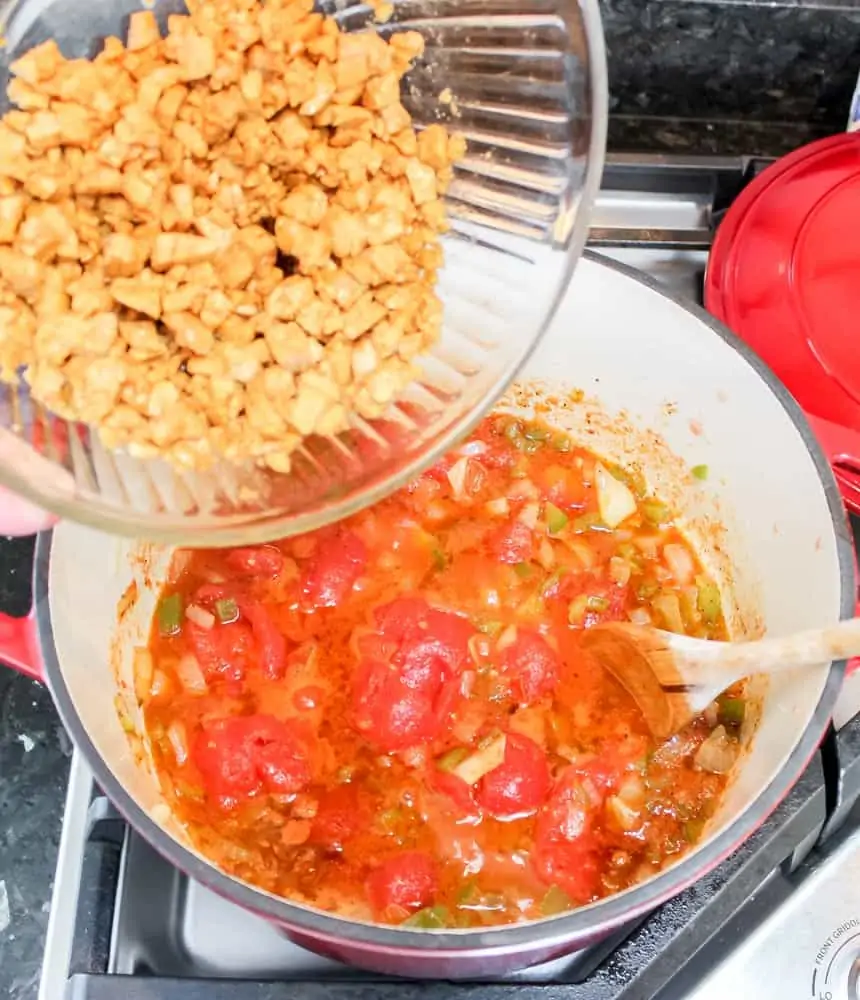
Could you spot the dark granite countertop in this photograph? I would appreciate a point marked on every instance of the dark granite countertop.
(34, 758)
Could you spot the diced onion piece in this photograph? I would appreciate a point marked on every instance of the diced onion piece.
(689, 598)
(190, 675)
(451, 758)
(529, 515)
(498, 507)
(680, 563)
(614, 500)
(160, 684)
(523, 489)
(473, 448)
(718, 753)
(632, 791)
(711, 715)
(143, 669)
(436, 510)
(574, 813)
(584, 553)
(479, 647)
(457, 477)
(487, 759)
(674, 750)
(507, 638)
(125, 720)
(530, 722)
(468, 723)
(577, 608)
(200, 616)
(648, 545)
(619, 571)
(546, 556)
(625, 817)
(668, 607)
(639, 616)
(178, 741)
(179, 563)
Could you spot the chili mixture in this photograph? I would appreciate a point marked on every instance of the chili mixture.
(392, 718)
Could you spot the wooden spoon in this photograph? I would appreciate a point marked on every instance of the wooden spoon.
(673, 678)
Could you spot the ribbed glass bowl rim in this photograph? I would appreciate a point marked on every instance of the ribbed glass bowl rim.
(239, 529)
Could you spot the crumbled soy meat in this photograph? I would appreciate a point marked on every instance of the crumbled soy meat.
(217, 242)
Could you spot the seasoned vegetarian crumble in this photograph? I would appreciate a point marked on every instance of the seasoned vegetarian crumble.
(219, 241)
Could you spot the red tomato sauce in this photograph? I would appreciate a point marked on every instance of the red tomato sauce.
(392, 718)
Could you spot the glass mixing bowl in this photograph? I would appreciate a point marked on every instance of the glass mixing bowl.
(524, 81)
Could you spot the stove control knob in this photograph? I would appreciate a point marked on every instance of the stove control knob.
(836, 975)
(841, 975)
(854, 978)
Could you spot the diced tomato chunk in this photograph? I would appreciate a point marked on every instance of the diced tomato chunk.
(441, 636)
(261, 560)
(519, 784)
(223, 651)
(561, 485)
(406, 881)
(574, 868)
(391, 714)
(401, 618)
(407, 684)
(225, 648)
(566, 851)
(531, 664)
(243, 755)
(412, 624)
(271, 645)
(338, 562)
(512, 543)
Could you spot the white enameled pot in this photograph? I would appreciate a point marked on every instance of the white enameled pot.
(664, 386)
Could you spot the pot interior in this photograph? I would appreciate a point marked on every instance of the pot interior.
(655, 386)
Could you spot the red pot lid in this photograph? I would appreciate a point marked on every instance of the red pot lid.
(784, 274)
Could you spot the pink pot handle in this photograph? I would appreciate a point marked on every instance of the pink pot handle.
(842, 445)
(19, 647)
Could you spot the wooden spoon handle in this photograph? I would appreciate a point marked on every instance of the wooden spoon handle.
(837, 642)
